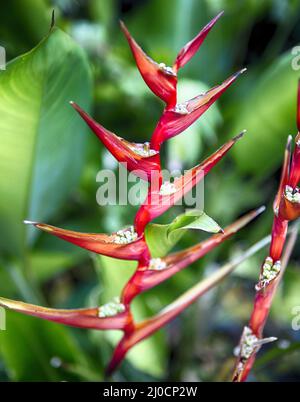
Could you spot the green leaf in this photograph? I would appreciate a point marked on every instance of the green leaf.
(40, 133)
(194, 219)
(23, 24)
(268, 112)
(158, 240)
(28, 345)
(161, 238)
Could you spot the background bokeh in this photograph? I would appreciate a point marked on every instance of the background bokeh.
(56, 181)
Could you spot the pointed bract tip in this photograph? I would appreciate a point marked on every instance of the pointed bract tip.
(289, 143)
(75, 106)
(124, 27)
(240, 135)
(215, 19)
(52, 19)
(264, 341)
(27, 222)
(260, 210)
(238, 73)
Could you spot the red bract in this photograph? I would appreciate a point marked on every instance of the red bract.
(115, 245)
(162, 80)
(288, 209)
(279, 231)
(298, 107)
(295, 165)
(81, 318)
(130, 243)
(158, 201)
(178, 118)
(189, 50)
(138, 158)
(288, 197)
(284, 175)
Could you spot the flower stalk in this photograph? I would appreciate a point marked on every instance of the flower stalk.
(286, 208)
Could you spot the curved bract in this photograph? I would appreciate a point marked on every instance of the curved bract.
(117, 245)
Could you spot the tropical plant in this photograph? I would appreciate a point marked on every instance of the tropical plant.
(131, 243)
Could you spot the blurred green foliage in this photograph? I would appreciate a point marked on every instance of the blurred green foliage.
(49, 162)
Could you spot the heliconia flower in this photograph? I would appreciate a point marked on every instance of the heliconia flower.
(160, 200)
(160, 269)
(262, 304)
(82, 318)
(139, 158)
(178, 118)
(124, 244)
(162, 80)
(146, 328)
(286, 207)
(130, 243)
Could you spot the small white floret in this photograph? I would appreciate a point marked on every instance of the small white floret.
(125, 236)
(157, 264)
(111, 309)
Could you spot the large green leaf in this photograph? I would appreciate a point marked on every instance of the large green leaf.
(42, 139)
